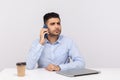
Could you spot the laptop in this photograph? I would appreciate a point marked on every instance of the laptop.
(77, 72)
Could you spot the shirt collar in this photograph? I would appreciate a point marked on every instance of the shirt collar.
(58, 41)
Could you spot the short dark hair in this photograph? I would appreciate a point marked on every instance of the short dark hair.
(50, 15)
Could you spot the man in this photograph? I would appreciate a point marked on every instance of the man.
(54, 51)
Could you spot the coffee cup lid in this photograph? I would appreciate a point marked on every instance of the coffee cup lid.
(21, 63)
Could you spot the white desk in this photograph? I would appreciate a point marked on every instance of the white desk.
(42, 74)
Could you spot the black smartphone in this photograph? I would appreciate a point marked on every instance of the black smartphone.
(45, 26)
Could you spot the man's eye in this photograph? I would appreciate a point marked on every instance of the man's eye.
(52, 23)
(58, 23)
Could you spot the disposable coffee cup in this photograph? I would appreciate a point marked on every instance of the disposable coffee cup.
(21, 66)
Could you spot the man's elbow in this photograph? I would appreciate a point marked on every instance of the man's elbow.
(29, 67)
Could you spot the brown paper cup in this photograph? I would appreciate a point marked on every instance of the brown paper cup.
(21, 66)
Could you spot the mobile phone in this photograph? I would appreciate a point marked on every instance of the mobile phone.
(46, 35)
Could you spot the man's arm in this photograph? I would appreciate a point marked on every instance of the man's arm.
(36, 50)
(34, 54)
(77, 59)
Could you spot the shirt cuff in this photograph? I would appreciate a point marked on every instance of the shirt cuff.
(63, 67)
(39, 46)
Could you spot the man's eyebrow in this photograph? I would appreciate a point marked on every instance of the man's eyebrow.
(55, 22)
(52, 22)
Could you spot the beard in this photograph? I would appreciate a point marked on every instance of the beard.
(55, 32)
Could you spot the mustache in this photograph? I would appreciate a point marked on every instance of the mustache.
(57, 29)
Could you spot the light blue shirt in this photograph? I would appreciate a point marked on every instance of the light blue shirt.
(61, 53)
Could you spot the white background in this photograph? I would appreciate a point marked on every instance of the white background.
(94, 25)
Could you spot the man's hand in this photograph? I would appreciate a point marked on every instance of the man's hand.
(42, 33)
(52, 67)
